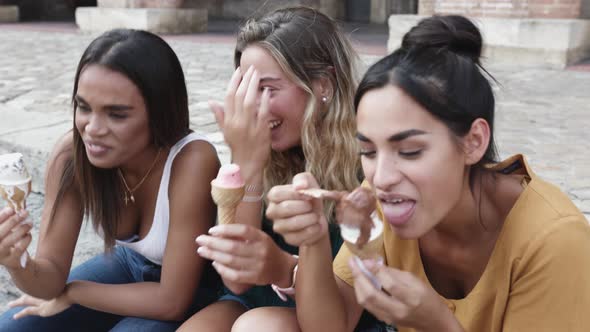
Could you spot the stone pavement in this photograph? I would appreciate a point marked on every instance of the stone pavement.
(541, 113)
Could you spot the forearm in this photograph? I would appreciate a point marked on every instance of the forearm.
(320, 306)
(442, 319)
(282, 274)
(142, 299)
(40, 278)
(249, 211)
(446, 321)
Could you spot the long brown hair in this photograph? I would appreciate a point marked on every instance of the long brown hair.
(308, 46)
(153, 67)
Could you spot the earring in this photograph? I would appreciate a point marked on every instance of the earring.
(324, 99)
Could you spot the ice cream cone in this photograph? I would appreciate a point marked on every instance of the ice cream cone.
(16, 194)
(227, 190)
(372, 249)
(227, 200)
(15, 186)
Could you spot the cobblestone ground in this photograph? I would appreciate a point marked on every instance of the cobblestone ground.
(541, 113)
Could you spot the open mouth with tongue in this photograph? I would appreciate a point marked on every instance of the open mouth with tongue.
(397, 210)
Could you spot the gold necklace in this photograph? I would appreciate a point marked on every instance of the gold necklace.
(129, 191)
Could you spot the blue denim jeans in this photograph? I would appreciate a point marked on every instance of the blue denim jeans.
(122, 266)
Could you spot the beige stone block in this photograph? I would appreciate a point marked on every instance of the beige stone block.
(140, 3)
(9, 14)
(379, 11)
(157, 20)
(552, 43)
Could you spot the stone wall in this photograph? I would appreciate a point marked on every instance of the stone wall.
(585, 10)
(505, 8)
(247, 8)
(42, 10)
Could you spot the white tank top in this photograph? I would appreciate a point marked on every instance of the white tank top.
(152, 246)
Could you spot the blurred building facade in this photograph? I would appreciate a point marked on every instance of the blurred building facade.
(551, 9)
(363, 11)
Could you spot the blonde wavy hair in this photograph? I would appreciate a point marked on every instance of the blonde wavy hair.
(309, 46)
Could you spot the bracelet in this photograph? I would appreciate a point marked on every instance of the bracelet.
(252, 199)
(253, 188)
(283, 292)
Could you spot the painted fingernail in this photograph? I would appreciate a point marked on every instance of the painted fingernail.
(214, 230)
(200, 250)
(22, 213)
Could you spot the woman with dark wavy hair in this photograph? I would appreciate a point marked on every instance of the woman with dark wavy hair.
(132, 166)
(469, 243)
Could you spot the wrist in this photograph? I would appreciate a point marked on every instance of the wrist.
(251, 173)
(18, 268)
(445, 320)
(66, 295)
(282, 292)
(285, 279)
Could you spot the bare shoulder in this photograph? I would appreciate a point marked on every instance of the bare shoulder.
(197, 161)
(196, 154)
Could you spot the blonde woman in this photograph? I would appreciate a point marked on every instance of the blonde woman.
(294, 83)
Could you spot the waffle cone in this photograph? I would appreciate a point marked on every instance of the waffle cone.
(16, 194)
(227, 200)
(370, 250)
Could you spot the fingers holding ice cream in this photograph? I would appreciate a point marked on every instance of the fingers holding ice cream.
(360, 227)
(15, 185)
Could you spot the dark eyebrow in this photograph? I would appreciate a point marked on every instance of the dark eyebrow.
(80, 100)
(362, 137)
(395, 138)
(114, 107)
(405, 134)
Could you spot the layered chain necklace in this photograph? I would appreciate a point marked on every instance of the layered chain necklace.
(129, 191)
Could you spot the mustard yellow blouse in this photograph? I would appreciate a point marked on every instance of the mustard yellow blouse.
(538, 276)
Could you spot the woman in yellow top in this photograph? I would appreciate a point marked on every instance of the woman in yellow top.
(471, 244)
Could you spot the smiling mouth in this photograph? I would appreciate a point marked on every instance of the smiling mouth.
(274, 124)
(95, 148)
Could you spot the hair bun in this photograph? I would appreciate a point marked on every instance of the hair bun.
(453, 32)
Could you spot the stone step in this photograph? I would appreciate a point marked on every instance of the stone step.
(9, 14)
(530, 42)
(156, 20)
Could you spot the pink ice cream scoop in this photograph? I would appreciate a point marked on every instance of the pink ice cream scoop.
(229, 177)
(227, 191)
